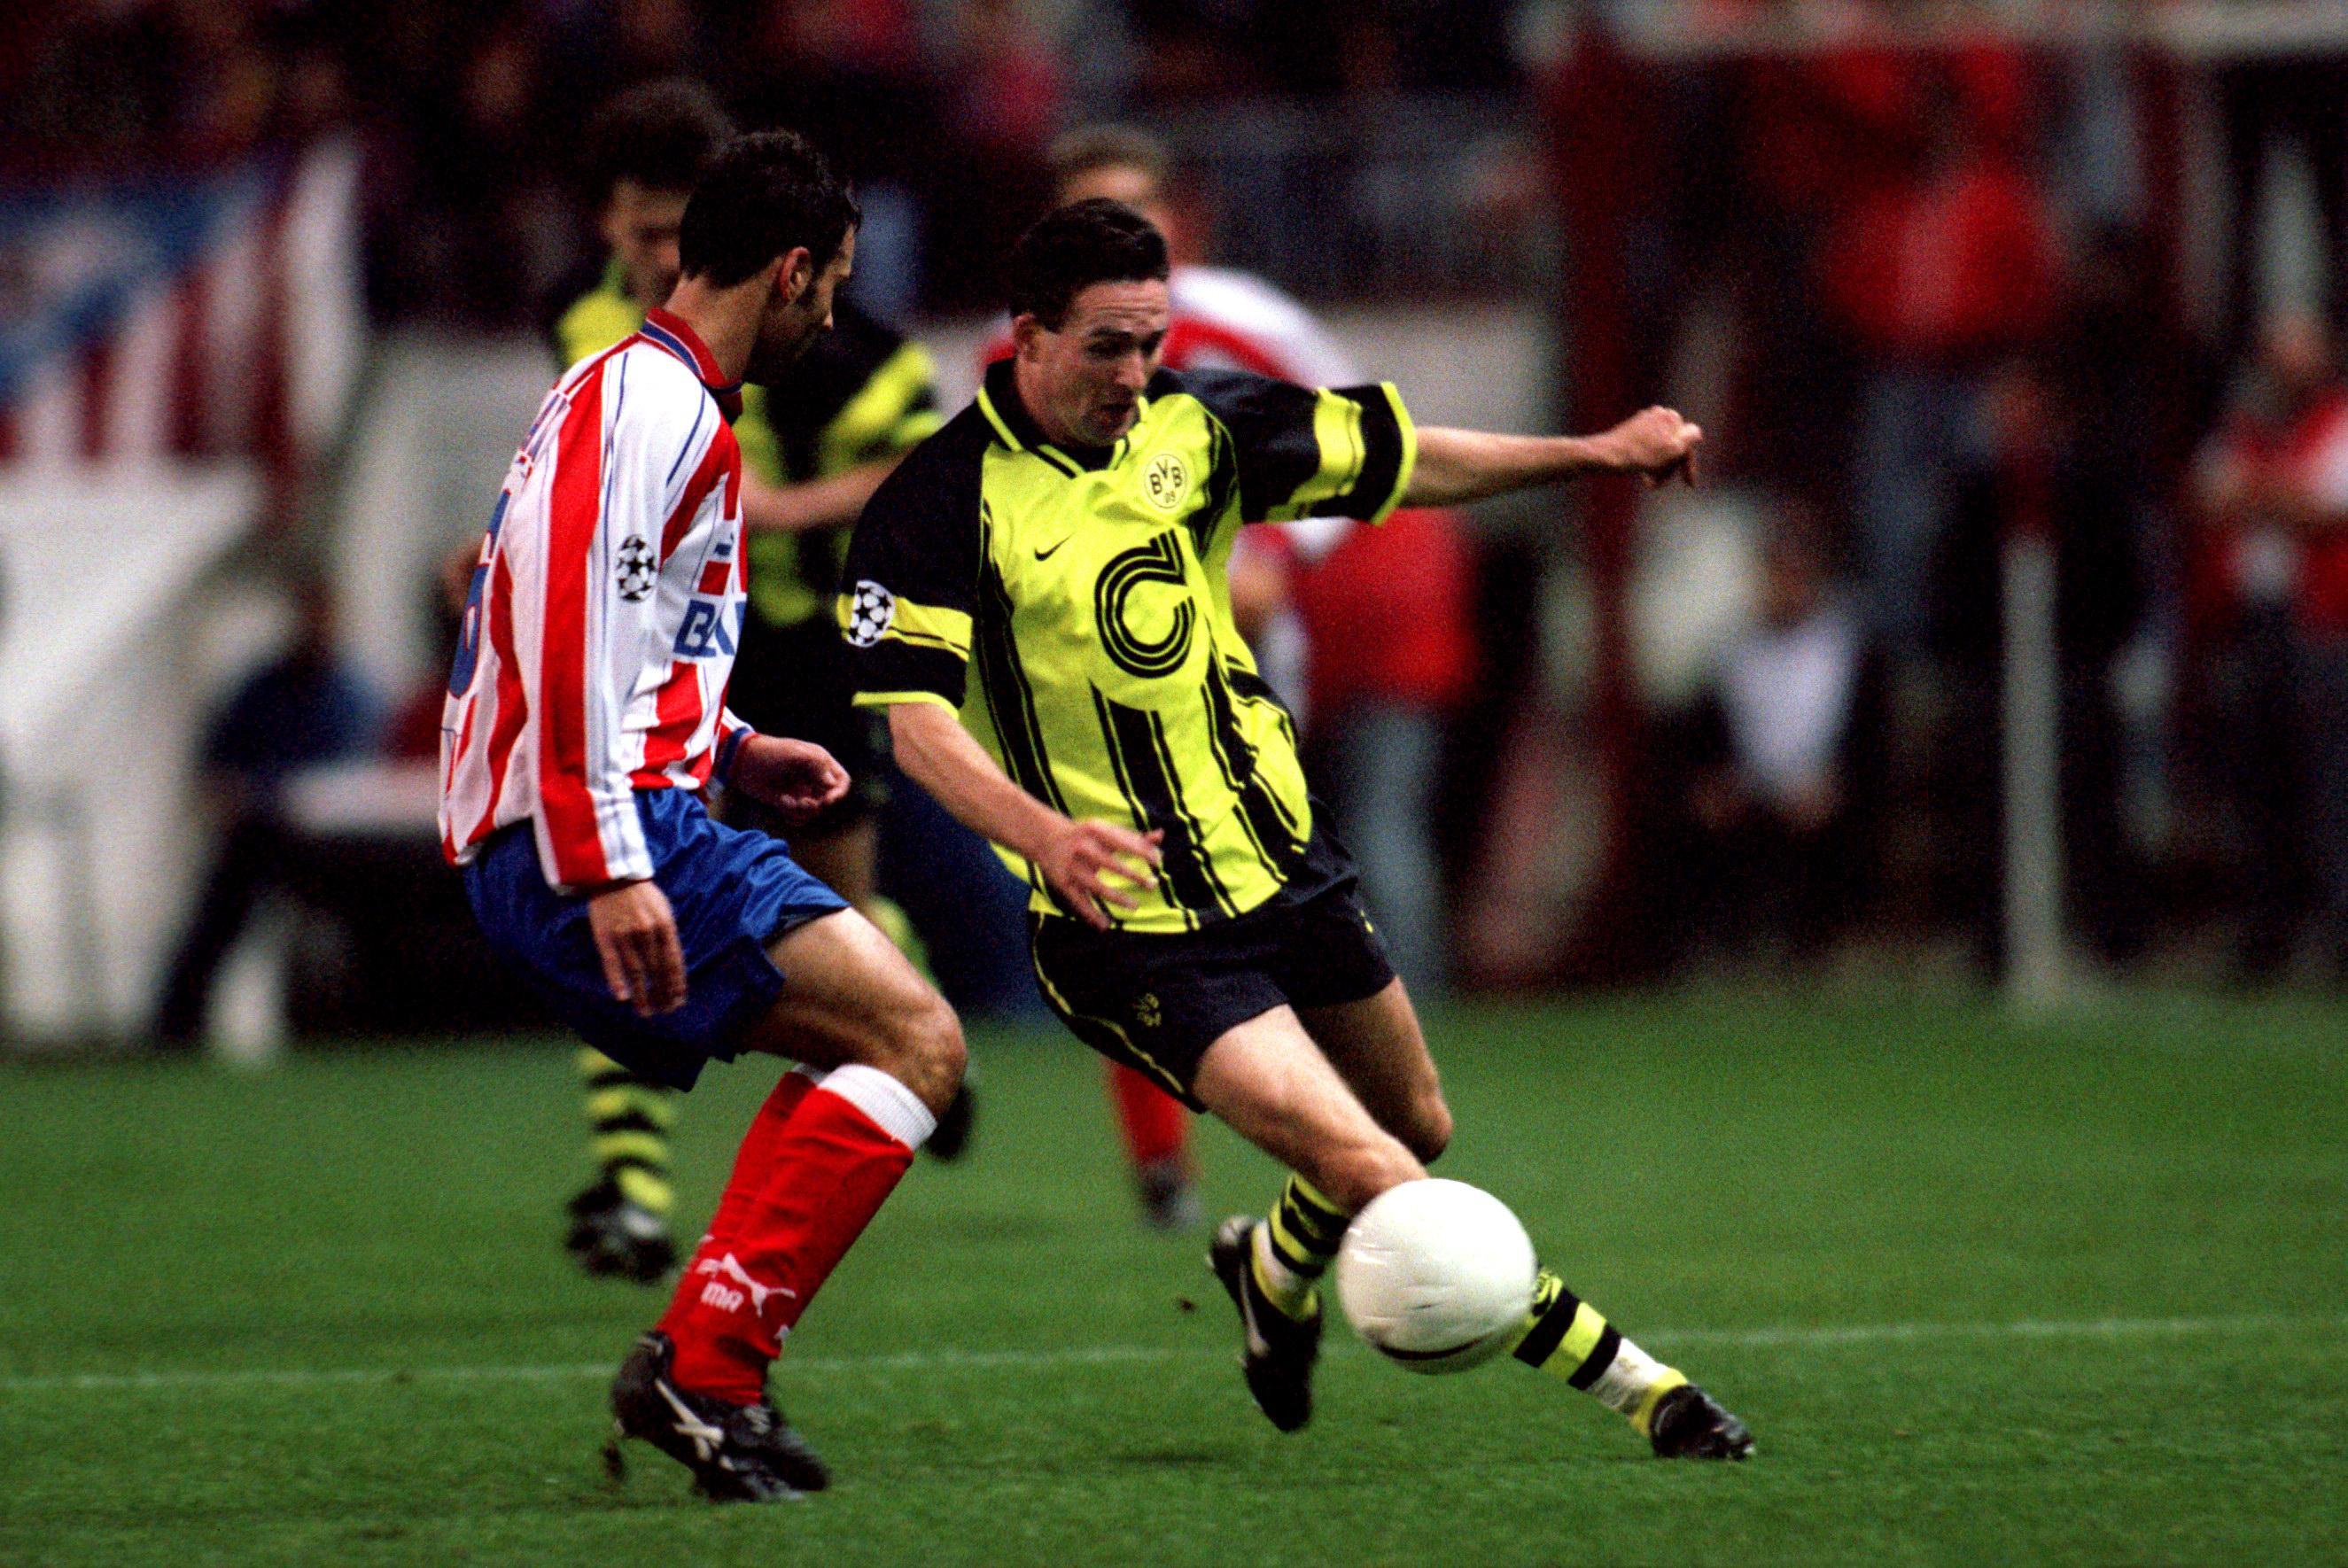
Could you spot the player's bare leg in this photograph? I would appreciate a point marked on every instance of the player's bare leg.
(1354, 1106)
(881, 1053)
(847, 860)
(1378, 1047)
(851, 998)
(1268, 1080)
(1272, 1084)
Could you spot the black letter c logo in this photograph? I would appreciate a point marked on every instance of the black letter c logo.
(1160, 560)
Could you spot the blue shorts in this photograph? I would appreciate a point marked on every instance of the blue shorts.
(732, 892)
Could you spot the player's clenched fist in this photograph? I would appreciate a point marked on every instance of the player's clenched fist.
(797, 778)
(635, 936)
(1655, 441)
(1093, 864)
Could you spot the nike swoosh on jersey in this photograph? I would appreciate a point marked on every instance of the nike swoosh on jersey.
(1045, 552)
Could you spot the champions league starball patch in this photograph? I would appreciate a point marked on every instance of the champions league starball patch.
(638, 569)
(870, 611)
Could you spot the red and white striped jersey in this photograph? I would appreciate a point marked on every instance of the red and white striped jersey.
(604, 614)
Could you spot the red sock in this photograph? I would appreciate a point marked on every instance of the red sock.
(756, 1158)
(1154, 1125)
(785, 1223)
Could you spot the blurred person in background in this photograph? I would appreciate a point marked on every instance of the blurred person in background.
(1807, 133)
(854, 74)
(2121, 380)
(2130, 389)
(813, 449)
(2268, 105)
(467, 221)
(2271, 486)
(1786, 742)
(1937, 276)
(2036, 471)
(1391, 656)
(302, 709)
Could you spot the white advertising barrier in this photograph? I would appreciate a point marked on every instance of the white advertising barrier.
(103, 601)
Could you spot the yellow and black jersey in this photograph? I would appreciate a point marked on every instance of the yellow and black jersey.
(1088, 592)
(861, 393)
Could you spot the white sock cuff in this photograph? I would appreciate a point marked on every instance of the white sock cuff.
(893, 1108)
(1626, 1381)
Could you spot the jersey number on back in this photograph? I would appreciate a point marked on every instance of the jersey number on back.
(469, 640)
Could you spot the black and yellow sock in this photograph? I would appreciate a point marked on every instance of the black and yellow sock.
(628, 1118)
(1567, 1335)
(1293, 1247)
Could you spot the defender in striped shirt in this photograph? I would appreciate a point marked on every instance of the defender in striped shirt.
(813, 447)
(586, 712)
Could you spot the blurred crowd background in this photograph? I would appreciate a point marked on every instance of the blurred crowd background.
(1951, 286)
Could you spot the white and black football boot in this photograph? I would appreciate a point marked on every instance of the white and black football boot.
(1688, 1423)
(610, 1236)
(738, 1454)
(1276, 1351)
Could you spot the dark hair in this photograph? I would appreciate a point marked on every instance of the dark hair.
(661, 135)
(1071, 247)
(763, 195)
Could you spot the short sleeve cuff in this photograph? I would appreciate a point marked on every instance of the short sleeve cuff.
(896, 669)
(897, 699)
(1389, 457)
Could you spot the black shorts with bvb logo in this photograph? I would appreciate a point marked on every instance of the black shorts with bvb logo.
(1156, 1002)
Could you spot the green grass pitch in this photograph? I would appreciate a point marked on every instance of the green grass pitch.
(2071, 1293)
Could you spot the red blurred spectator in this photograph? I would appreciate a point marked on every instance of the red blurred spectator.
(1388, 612)
(1935, 277)
(1952, 267)
(2274, 480)
(2272, 487)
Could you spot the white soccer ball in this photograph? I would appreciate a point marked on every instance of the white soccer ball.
(1436, 1274)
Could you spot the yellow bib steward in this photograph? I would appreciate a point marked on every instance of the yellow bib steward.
(1087, 590)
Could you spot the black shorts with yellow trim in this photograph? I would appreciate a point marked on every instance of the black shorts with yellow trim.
(1156, 1002)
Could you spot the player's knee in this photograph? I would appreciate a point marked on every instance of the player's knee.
(1353, 1175)
(925, 1049)
(1430, 1129)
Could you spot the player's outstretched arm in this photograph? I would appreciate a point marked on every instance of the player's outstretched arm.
(824, 503)
(1457, 466)
(1090, 865)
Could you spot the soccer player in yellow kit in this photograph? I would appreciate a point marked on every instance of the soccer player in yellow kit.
(1040, 601)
